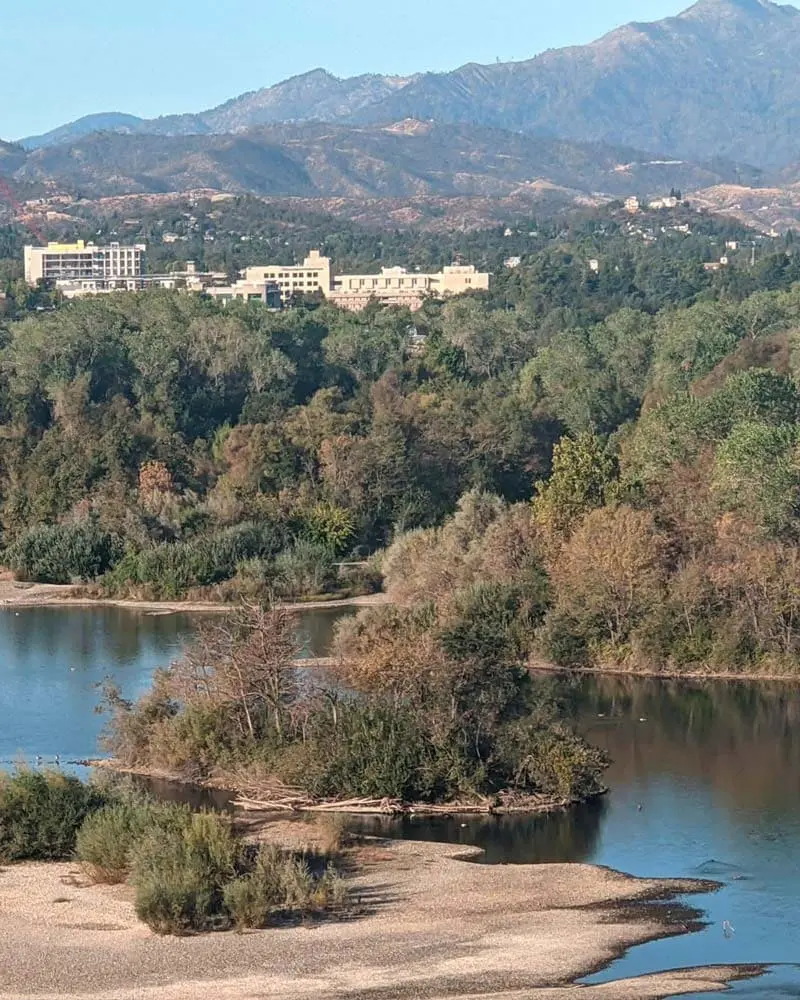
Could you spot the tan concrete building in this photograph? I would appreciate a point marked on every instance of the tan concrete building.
(285, 280)
(396, 286)
(79, 269)
(85, 266)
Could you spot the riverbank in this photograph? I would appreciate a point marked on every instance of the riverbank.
(540, 667)
(37, 595)
(424, 924)
(269, 799)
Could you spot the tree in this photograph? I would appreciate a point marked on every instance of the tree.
(757, 473)
(611, 572)
(583, 471)
(246, 660)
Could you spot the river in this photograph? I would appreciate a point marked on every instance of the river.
(53, 662)
(705, 781)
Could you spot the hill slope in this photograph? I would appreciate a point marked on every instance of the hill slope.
(408, 159)
(721, 79)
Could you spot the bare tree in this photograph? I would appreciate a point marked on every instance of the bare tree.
(247, 659)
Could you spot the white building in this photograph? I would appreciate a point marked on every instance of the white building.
(85, 266)
(394, 286)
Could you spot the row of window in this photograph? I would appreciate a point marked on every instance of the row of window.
(293, 274)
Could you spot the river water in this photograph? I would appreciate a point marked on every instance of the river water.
(53, 662)
(705, 781)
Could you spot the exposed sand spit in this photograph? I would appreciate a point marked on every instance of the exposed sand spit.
(428, 925)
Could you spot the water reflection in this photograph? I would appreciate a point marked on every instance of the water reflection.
(706, 778)
(512, 839)
(54, 660)
(703, 774)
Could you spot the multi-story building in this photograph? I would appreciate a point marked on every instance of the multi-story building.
(394, 286)
(85, 266)
(277, 284)
(78, 269)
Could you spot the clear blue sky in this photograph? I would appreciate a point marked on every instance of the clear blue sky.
(149, 57)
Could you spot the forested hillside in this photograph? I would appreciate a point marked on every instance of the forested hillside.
(626, 441)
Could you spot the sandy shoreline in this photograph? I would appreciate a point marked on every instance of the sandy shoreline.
(38, 595)
(426, 925)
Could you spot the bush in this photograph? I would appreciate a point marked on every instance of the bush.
(60, 553)
(550, 760)
(40, 815)
(306, 568)
(376, 749)
(108, 838)
(170, 570)
(191, 874)
(282, 885)
(180, 875)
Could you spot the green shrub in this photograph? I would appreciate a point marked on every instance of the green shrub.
(550, 760)
(306, 568)
(179, 875)
(193, 875)
(108, 838)
(40, 815)
(169, 570)
(60, 553)
(376, 749)
(282, 885)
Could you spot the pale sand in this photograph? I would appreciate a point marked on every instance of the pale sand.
(36, 595)
(429, 926)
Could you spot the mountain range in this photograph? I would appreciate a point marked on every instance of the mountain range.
(721, 79)
(712, 96)
(407, 159)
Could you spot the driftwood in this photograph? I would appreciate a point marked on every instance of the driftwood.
(393, 807)
(383, 807)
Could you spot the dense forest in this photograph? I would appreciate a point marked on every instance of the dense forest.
(629, 433)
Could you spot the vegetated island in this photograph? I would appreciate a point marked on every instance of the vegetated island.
(106, 880)
(428, 708)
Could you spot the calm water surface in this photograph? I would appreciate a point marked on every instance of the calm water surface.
(705, 781)
(53, 661)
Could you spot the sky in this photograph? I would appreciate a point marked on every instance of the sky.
(64, 60)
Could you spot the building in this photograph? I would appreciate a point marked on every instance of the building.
(670, 202)
(85, 267)
(80, 269)
(281, 281)
(189, 279)
(394, 286)
(632, 205)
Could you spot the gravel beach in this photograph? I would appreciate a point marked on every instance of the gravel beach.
(427, 924)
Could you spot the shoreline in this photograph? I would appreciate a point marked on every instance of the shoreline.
(425, 923)
(244, 798)
(53, 595)
(539, 667)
